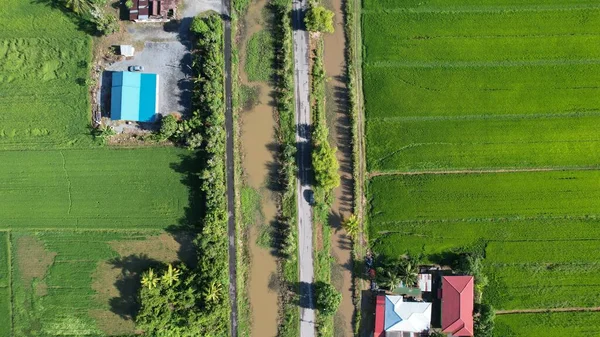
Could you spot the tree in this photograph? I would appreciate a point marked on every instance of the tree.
(351, 226)
(194, 141)
(79, 6)
(389, 278)
(472, 264)
(105, 23)
(168, 127)
(149, 279)
(484, 320)
(408, 271)
(326, 166)
(171, 275)
(319, 19)
(212, 293)
(129, 4)
(328, 299)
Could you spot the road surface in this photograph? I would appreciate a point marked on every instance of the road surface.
(230, 171)
(305, 235)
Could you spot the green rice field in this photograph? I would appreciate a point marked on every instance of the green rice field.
(79, 222)
(482, 135)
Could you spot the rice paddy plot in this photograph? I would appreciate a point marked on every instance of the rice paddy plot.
(556, 324)
(484, 196)
(481, 143)
(463, 92)
(94, 188)
(436, 237)
(465, 5)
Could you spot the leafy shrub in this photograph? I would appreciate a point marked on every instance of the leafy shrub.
(129, 3)
(319, 19)
(328, 299)
(168, 127)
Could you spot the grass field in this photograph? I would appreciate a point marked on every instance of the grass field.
(95, 188)
(548, 324)
(43, 81)
(490, 85)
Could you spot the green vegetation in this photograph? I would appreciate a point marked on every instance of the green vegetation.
(442, 103)
(95, 188)
(259, 57)
(319, 19)
(327, 298)
(554, 324)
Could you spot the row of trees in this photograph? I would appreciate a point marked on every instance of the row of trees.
(177, 301)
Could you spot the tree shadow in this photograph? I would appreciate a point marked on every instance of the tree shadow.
(128, 283)
(82, 22)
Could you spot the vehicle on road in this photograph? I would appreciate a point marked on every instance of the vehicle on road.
(309, 195)
(136, 68)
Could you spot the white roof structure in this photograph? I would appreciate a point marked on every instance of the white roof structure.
(404, 316)
(127, 50)
(424, 281)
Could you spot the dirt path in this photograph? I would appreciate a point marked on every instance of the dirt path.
(536, 169)
(339, 122)
(257, 137)
(528, 311)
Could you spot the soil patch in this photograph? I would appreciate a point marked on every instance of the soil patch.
(33, 259)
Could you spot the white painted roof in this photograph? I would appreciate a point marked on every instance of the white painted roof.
(406, 316)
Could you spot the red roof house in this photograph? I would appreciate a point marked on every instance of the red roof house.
(457, 305)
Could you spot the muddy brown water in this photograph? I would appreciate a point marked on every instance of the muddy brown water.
(257, 128)
(340, 128)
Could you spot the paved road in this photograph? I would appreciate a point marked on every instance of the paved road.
(305, 242)
(230, 171)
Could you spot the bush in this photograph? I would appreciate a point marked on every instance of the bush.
(199, 26)
(129, 4)
(484, 320)
(328, 298)
(105, 23)
(168, 127)
(319, 19)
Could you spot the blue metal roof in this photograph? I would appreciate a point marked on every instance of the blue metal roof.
(391, 317)
(134, 96)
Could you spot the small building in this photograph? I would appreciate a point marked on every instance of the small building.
(134, 96)
(457, 305)
(126, 50)
(394, 317)
(148, 10)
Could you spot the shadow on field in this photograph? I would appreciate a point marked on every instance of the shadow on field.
(128, 284)
(83, 23)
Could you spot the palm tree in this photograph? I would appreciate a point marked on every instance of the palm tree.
(171, 275)
(149, 279)
(408, 270)
(213, 292)
(79, 6)
(351, 226)
(390, 279)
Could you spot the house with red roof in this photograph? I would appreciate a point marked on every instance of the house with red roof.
(457, 305)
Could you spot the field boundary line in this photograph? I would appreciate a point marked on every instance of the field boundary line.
(514, 170)
(547, 310)
(64, 166)
(480, 64)
(78, 229)
(590, 113)
(10, 279)
(482, 9)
